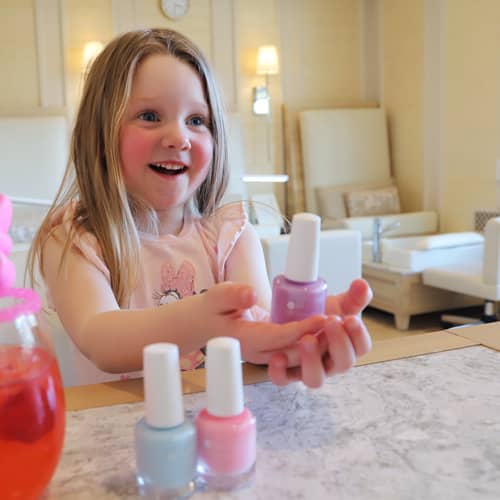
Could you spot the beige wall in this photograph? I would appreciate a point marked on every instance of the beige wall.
(94, 20)
(402, 75)
(466, 99)
(471, 109)
(321, 45)
(82, 22)
(19, 80)
(256, 24)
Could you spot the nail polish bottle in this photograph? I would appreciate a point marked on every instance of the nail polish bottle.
(226, 430)
(299, 292)
(165, 443)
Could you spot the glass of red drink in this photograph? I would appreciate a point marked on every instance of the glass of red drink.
(32, 410)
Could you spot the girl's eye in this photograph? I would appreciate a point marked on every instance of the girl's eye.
(197, 121)
(149, 116)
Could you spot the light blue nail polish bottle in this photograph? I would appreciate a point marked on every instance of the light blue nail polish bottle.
(165, 443)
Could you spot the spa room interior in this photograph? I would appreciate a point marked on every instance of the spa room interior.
(383, 118)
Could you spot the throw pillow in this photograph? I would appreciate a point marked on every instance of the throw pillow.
(373, 202)
(330, 199)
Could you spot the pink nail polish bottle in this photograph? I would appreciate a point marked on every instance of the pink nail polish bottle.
(226, 430)
(299, 292)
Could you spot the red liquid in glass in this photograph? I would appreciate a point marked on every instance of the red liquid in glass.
(32, 420)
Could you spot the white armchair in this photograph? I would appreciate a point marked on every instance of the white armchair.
(347, 178)
(475, 277)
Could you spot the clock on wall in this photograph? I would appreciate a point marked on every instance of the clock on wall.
(174, 9)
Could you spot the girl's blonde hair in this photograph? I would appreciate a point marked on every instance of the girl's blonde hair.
(93, 175)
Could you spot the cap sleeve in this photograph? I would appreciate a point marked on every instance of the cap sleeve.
(84, 242)
(223, 230)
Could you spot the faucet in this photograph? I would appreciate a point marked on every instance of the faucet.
(378, 231)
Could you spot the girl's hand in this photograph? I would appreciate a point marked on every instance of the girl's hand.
(224, 314)
(335, 349)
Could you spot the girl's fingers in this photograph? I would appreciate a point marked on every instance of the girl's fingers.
(358, 333)
(293, 354)
(225, 298)
(278, 370)
(332, 350)
(282, 336)
(328, 364)
(310, 371)
(313, 374)
(339, 345)
(352, 301)
(259, 341)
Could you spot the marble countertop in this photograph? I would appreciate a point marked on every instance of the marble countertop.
(420, 427)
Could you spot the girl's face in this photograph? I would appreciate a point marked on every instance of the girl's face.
(165, 142)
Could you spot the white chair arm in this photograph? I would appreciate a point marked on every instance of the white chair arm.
(339, 260)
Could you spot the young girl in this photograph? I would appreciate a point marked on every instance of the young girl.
(134, 228)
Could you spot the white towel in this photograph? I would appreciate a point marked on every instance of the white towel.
(447, 240)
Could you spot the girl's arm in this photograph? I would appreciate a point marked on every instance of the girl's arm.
(113, 339)
(246, 264)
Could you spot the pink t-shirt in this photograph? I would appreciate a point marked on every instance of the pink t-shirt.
(171, 267)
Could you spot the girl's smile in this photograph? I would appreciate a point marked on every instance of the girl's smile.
(166, 144)
(168, 168)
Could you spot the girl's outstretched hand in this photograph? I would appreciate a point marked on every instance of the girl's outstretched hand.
(225, 314)
(343, 339)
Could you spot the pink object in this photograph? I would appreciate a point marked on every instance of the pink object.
(27, 303)
(5, 243)
(5, 213)
(7, 268)
(32, 415)
(226, 445)
(226, 430)
(299, 293)
(294, 301)
(7, 272)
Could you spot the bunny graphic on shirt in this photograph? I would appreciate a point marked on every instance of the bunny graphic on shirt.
(175, 285)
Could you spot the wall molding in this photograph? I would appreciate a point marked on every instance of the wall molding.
(433, 101)
(124, 15)
(225, 51)
(371, 53)
(49, 42)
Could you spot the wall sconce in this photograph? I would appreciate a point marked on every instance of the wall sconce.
(90, 51)
(267, 64)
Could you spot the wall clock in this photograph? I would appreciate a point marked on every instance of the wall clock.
(174, 9)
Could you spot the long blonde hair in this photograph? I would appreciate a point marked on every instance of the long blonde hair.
(93, 174)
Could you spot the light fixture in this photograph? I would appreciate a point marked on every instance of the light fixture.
(90, 51)
(267, 60)
(267, 64)
(261, 101)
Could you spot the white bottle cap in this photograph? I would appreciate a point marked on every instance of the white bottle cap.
(162, 385)
(303, 248)
(224, 377)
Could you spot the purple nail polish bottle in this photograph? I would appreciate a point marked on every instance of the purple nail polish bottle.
(299, 293)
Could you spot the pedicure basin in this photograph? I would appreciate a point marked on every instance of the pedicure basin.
(417, 253)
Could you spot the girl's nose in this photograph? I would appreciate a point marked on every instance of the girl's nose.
(175, 137)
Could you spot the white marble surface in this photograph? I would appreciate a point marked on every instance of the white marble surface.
(426, 427)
